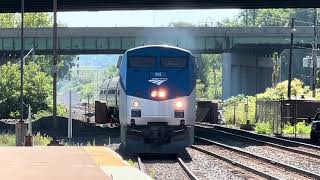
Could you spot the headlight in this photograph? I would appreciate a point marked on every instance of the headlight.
(179, 104)
(154, 94)
(135, 104)
(162, 94)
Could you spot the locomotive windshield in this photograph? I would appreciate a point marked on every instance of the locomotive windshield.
(174, 62)
(141, 62)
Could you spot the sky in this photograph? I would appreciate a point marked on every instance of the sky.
(143, 18)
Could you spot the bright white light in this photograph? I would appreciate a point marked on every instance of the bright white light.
(135, 104)
(179, 104)
(162, 94)
(154, 94)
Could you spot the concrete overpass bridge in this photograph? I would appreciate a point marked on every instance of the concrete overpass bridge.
(247, 66)
(113, 40)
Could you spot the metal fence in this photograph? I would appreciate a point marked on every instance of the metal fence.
(286, 111)
(270, 111)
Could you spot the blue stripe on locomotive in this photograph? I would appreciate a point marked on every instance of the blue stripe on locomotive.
(134, 81)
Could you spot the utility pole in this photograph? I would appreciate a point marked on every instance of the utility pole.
(246, 18)
(55, 60)
(314, 52)
(21, 63)
(254, 17)
(290, 59)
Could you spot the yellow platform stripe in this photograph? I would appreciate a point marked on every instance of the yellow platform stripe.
(104, 156)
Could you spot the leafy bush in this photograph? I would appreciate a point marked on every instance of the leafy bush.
(302, 128)
(281, 89)
(263, 128)
(236, 105)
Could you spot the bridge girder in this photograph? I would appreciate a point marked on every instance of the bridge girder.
(95, 5)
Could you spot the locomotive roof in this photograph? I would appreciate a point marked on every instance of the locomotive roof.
(159, 46)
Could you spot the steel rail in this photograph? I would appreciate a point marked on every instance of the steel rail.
(264, 142)
(188, 172)
(220, 127)
(141, 165)
(279, 164)
(247, 168)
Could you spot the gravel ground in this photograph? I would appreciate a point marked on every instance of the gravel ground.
(268, 168)
(297, 160)
(301, 148)
(164, 169)
(207, 167)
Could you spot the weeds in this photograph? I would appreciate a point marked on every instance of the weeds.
(7, 139)
(41, 140)
(132, 163)
(302, 128)
(263, 128)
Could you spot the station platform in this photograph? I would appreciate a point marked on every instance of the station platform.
(65, 162)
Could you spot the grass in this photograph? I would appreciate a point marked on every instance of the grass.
(41, 140)
(266, 128)
(302, 128)
(263, 128)
(132, 163)
(7, 139)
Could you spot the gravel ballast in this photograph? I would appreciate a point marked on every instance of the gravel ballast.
(260, 165)
(304, 162)
(207, 167)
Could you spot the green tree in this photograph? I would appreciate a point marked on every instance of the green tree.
(11, 20)
(87, 91)
(37, 89)
(200, 90)
(271, 17)
(276, 70)
(210, 74)
(38, 81)
(39, 20)
(8, 20)
(111, 71)
(66, 62)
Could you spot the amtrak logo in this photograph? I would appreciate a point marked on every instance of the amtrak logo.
(158, 81)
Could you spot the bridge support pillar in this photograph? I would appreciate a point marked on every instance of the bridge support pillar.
(245, 74)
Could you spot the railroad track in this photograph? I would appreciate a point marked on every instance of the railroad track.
(183, 166)
(261, 166)
(296, 147)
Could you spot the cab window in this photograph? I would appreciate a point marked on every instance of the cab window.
(141, 62)
(174, 62)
